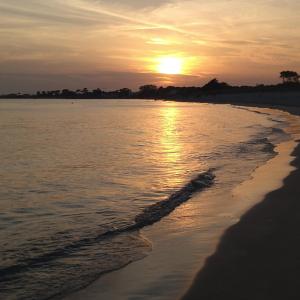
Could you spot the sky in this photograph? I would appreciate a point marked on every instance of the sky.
(110, 44)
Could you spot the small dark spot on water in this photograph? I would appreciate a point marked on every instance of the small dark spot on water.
(24, 210)
(39, 191)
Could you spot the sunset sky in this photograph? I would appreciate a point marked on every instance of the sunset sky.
(126, 43)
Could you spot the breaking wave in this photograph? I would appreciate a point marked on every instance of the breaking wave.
(148, 216)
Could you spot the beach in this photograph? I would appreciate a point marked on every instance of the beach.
(259, 257)
(150, 150)
(93, 240)
(177, 255)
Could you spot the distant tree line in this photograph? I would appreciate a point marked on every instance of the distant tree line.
(289, 77)
(290, 82)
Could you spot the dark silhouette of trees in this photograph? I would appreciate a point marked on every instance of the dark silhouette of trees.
(65, 93)
(85, 91)
(215, 86)
(125, 93)
(148, 91)
(289, 77)
(97, 93)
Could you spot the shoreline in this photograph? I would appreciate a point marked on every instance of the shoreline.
(127, 281)
(258, 257)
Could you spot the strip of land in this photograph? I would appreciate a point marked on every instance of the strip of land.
(259, 257)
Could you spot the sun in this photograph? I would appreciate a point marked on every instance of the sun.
(169, 65)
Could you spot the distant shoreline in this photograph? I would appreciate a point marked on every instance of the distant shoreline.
(263, 99)
(278, 99)
(213, 91)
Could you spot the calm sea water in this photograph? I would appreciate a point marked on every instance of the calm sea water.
(73, 171)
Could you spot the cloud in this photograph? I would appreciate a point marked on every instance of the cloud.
(138, 4)
(123, 36)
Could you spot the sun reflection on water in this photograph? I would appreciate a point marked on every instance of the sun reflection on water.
(171, 147)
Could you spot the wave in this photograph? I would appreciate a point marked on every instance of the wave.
(265, 143)
(252, 109)
(148, 216)
(157, 211)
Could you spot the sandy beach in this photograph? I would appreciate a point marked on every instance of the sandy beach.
(150, 150)
(259, 257)
(168, 274)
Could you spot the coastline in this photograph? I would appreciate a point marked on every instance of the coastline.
(258, 257)
(158, 266)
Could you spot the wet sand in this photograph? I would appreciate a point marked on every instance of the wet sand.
(182, 241)
(259, 257)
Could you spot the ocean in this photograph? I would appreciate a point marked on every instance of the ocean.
(80, 178)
